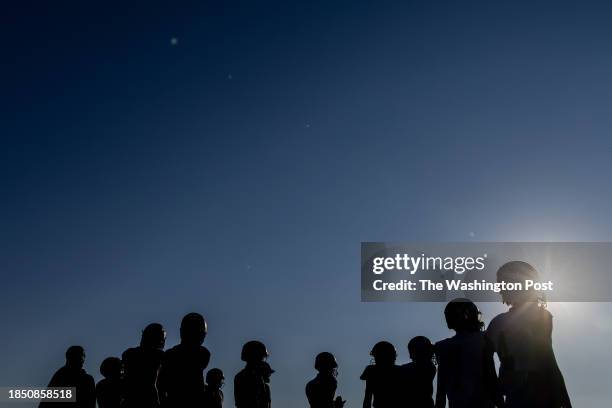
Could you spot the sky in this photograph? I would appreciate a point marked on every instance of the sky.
(229, 157)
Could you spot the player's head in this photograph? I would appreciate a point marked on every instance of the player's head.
(420, 349)
(215, 378)
(519, 272)
(75, 357)
(463, 315)
(153, 336)
(384, 353)
(193, 329)
(325, 362)
(254, 351)
(111, 368)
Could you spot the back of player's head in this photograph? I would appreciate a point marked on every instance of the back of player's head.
(462, 315)
(214, 377)
(254, 351)
(519, 272)
(384, 353)
(153, 336)
(325, 361)
(420, 349)
(111, 367)
(75, 356)
(193, 329)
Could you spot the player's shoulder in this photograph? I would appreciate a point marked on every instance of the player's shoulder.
(446, 347)
(312, 383)
(498, 320)
(204, 352)
(368, 372)
(407, 370)
(62, 371)
(407, 366)
(88, 378)
(172, 351)
(203, 356)
(545, 313)
(102, 383)
(170, 356)
(242, 374)
(444, 343)
(128, 352)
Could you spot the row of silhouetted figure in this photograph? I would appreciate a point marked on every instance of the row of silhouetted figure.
(146, 376)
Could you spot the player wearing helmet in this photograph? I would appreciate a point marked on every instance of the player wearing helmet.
(382, 378)
(522, 338)
(466, 370)
(418, 375)
(250, 388)
(321, 390)
(141, 368)
(182, 373)
(213, 395)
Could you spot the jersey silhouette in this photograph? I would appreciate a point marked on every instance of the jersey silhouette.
(182, 374)
(266, 372)
(213, 396)
(321, 391)
(529, 374)
(466, 370)
(250, 390)
(109, 390)
(382, 384)
(417, 383)
(418, 375)
(141, 367)
(73, 375)
(382, 378)
(522, 338)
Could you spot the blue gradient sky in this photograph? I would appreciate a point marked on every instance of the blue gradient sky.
(236, 172)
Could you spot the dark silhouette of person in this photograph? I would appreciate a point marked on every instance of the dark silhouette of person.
(266, 373)
(466, 370)
(250, 388)
(418, 375)
(382, 378)
(181, 379)
(213, 395)
(73, 375)
(109, 390)
(522, 338)
(141, 368)
(321, 390)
